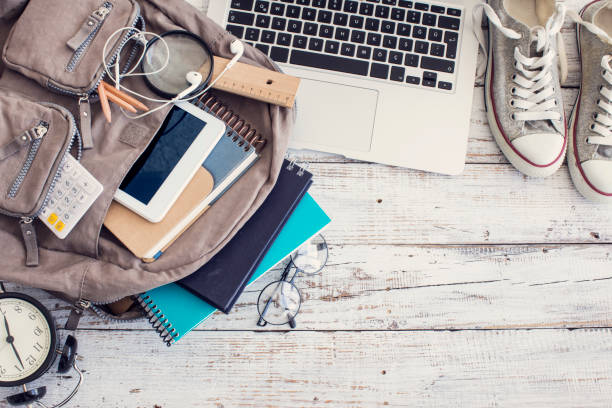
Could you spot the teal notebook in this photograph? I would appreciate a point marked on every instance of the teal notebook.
(174, 311)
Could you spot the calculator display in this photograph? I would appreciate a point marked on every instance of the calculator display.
(169, 145)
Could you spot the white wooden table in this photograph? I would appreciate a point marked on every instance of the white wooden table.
(481, 290)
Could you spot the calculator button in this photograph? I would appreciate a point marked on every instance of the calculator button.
(74, 191)
(52, 218)
(67, 216)
(82, 197)
(67, 201)
(68, 183)
(59, 193)
(59, 210)
(75, 207)
(59, 226)
(87, 186)
(68, 165)
(75, 173)
(45, 212)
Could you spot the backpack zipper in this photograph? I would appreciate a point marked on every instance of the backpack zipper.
(98, 15)
(36, 135)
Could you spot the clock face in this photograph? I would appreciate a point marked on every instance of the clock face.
(27, 339)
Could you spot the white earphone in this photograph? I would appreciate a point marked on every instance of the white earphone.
(193, 78)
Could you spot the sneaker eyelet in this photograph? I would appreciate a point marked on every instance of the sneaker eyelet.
(512, 116)
(512, 102)
(595, 116)
(556, 103)
(592, 127)
(599, 100)
(513, 77)
(587, 141)
(513, 91)
(600, 88)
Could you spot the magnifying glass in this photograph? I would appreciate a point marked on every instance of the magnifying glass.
(187, 53)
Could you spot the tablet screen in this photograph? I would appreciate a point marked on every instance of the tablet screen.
(171, 142)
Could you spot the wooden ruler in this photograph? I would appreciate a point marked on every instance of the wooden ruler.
(256, 83)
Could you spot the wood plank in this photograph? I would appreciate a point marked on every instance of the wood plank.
(432, 287)
(559, 368)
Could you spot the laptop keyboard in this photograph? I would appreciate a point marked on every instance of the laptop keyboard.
(398, 41)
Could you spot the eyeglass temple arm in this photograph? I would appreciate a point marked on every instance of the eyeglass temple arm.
(261, 322)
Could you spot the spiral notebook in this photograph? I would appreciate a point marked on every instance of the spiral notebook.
(223, 278)
(173, 311)
(233, 155)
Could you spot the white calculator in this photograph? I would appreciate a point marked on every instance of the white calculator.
(75, 191)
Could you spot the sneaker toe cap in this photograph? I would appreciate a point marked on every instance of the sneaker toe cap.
(599, 174)
(540, 148)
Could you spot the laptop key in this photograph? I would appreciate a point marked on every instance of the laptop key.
(374, 39)
(403, 30)
(437, 64)
(421, 6)
(303, 2)
(398, 14)
(434, 34)
(342, 34)
(324, 16)
(348, 50)
(388, 27)
(293, 12)
(366, 9)
(421, 47)
(262, 21)
(277, 9)
(379, 71)
(279, 54)
(453, 12)
(310, 28)
(451, 38)
(450, 23)
(430, 75)
(429, 82)
(429, 19)
(279, 23)
(372, 24)
(397, 74)
(413, 80)
(358, 36)
(405, 4)
(437, 50)
(263, 48)
(419, 32)
(309, 14)
(356, 22)
(340, 19)
(389, 2)
(351, 6)
(238, 31)
(382, 12)
(379, 55)
(294, 26)
(405, 44)
(284, 39)
(332, 47)
(445, 85)
(246, 5)
(335, 5)
(299, 41)
(413, 17)
(315, 44)
(262, 6)
(411, 60)
(326, 31)
(252, 34)
(319, 3)
(364, 52)
(437, 9)
(396, 58)
(329, 62)
(389, 41)
(240, 17)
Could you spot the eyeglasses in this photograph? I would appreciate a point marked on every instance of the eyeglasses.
(280, 301)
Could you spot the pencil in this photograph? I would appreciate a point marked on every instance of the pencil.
(129, 99)
(104, 102)
(115, 99)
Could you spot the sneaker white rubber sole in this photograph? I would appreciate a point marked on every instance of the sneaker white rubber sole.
(513, 157)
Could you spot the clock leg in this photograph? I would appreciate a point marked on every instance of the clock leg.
(25, 389)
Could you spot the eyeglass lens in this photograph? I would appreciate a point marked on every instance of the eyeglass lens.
(311, 257)
(279, 302)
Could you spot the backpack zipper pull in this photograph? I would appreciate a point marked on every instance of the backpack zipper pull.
(89, 27)
(29, 239)
(77, 311)
(85, 121)
(24, 139)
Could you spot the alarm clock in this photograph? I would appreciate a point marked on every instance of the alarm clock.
(28, 347)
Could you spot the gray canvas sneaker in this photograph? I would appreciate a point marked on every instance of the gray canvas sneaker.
(522, 90)
(590, 151)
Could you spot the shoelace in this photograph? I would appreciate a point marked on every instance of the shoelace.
(602, 121)
(533, 91)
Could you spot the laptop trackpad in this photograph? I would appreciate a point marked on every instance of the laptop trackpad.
(335, 115)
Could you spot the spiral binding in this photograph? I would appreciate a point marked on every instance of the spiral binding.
(243, 132)
(158, 321)
(293, 163)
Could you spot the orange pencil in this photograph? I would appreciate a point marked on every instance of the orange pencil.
(129, 99)
(104, 102)
(115, 99)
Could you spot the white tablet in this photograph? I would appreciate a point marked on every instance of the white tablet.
(164, 169)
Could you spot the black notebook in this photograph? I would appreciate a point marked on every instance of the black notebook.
(222, 279)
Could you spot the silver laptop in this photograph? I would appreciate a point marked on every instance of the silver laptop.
(388, 81)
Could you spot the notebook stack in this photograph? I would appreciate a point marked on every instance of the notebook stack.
(288, 218)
